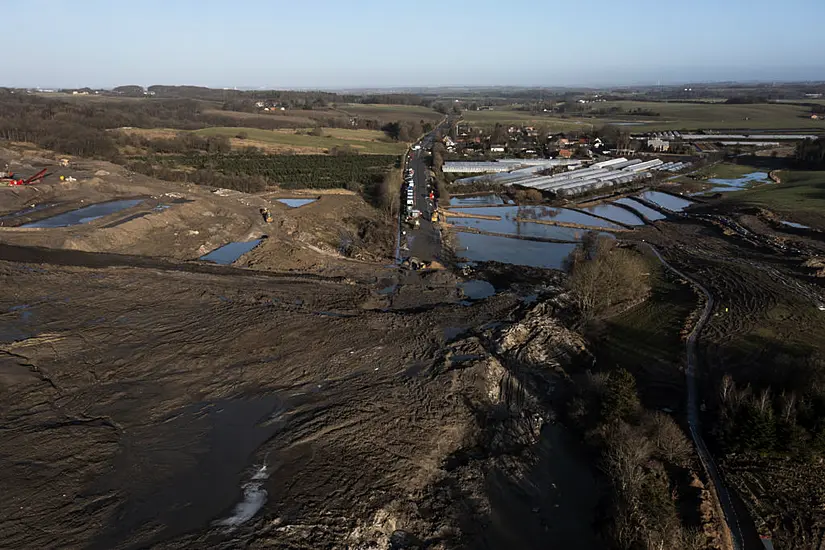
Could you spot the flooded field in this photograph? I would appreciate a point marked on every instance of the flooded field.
(736, 184)
(522, 229)
(296, 203)
(615, 213)
(484, 248)
(543, 213)
(664, 200)
(649, 213)
(476, 200)
(229, 253)
(85, 215)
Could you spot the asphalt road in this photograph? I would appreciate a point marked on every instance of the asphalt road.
(423, 243)
(743, 532)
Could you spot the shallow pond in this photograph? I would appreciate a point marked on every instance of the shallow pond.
(649, 213)
(615, 213)
(477, 289)
(228, 253)
(664, 200)
(736, 184)
(794, 225)
(485, 248)
(86, 214)
(295, 203)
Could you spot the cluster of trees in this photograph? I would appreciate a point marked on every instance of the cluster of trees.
(811, 153)
(603, 276)
(289, 171)
(183, 142)
(406, 130)
(789, 421)
(645, 455)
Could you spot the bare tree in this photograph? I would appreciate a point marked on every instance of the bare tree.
(669, 439)
(602, 275)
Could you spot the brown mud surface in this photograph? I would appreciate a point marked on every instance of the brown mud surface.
(302, 398)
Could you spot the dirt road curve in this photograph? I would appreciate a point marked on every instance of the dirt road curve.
(732, 517)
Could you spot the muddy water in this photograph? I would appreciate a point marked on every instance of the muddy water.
(86, 214)
(544, 213)
(485, 248)
(615, 213)
(476, 200)
(666, 201)
(296, 203)
(228, 253)
(649, 213)
(195, 470)
(477, 289)
(562, 485)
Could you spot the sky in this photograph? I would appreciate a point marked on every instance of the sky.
(390, 43)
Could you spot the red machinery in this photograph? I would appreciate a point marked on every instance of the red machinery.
(34, 179)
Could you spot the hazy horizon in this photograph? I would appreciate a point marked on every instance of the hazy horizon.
(252, 44)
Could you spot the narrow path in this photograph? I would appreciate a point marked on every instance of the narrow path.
(725, 500)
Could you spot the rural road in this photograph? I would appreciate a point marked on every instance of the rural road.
(425, 242)
(742, 531)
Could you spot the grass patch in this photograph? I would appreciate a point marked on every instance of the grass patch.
(727, 170)
(646, 340)
(363, 141)
(801, 191)
(391, 113)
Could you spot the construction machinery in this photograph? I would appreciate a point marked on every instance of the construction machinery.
(30, 181)
(266, 215)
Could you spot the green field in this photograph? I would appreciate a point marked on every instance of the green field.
(727, 170)
(363, 141)
(646, 339)
(390, 113)
(672, 116)
(801, 196)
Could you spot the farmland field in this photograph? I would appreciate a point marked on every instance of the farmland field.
(672, 116)
(390, 113)
(297, 141)
(363, 141)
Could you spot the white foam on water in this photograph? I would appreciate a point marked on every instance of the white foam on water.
(254, 498)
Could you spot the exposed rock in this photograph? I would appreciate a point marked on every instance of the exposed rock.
(540, 340)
